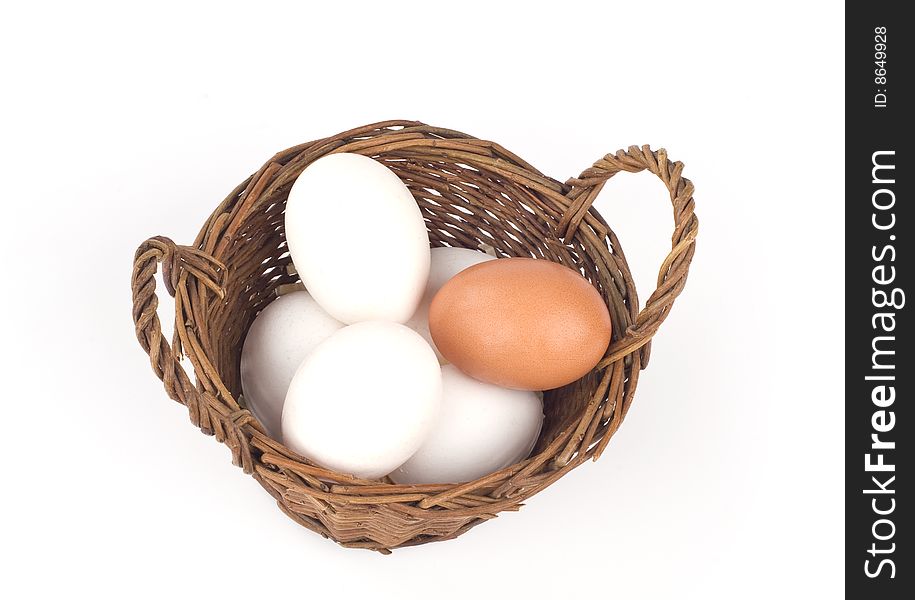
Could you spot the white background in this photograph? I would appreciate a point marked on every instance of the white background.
(126, 120)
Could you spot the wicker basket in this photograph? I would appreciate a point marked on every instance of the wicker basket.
(472, 193)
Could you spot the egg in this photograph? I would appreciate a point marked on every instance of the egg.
(280, 337)
(520, 323)
(445, 263)
(481, 428)
(357, 239)
(363, 401)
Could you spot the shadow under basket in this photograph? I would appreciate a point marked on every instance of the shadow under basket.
(472, 194)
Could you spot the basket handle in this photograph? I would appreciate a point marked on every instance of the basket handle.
(176, 260)
(583, 190)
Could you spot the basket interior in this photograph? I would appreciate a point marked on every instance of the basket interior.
(463, 206)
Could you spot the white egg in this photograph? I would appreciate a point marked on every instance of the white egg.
(357, 239)
(445, 264)
(280, 337)
(364, 400)
(481, 428)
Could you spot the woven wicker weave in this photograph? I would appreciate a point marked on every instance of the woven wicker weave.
(472, 193)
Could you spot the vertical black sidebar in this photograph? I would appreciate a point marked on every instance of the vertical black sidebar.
(879, 369)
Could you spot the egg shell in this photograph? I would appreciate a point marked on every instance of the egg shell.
(363, 400)
(357, 239)
(480, 429)
(280, 337)
(520, 323)
(445, 263)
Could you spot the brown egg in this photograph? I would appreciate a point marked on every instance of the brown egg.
(520, 323)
